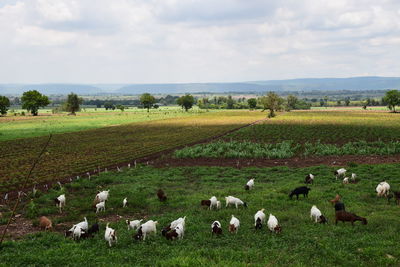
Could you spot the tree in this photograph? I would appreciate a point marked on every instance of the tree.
(186, 102)
(109, 105)
(291, 102)
(230, 102)
(347, 101)
(33, 100)
(272, 102)
(120, 107)
(147, 100)
(4, 105)
(73, 103)
(252, 103)
(392, 99)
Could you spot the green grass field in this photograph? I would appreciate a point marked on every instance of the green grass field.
(301, 243)
(13, 127)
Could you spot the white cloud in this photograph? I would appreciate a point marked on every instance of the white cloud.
(148, 41)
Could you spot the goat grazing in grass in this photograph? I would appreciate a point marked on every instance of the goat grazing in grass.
(78, 231)
(124, 202)
(216, 228)
(302, 190)
(340, 173)
(213, 202)
(383, 189)
(101, 196)
(84, 225)
(161, 195)
(135, 224)
(110, 235)
(309, 179)
(230, 200)
(95, 228)
(60, 202)
(316, 215)
(273, 224)
(346, 180)
(177, 233)
(249, 185)
(146, 229)
(259, 219)
(45, 223)
(396, 195)
(345, 216)
(101, 206)
(218, 205)
(173, 225)
(206, 203)
(234, 225)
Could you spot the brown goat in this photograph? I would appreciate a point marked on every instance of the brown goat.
(345, 216)
(232, 228)
(45, 223)
(172, 235)
(205, 203)
(161, 195)
(335, 200)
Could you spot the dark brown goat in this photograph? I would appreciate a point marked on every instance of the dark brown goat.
(216, 229)
(345, 216)
(172, 235)
(205, 203)
(161, 195)
(322, 219)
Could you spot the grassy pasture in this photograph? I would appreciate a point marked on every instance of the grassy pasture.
(13, 127)
(329, 127)
(301, 243)
(83, 151)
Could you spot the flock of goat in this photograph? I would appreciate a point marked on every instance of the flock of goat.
(176, 229)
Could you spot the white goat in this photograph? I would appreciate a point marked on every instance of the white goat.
(101, 206)
(260, 215)
(124, 202)
(353, 176)
(180, 230)
(250, 184)
(315, 213)
(60, 201)
(102, 196)
(346, 180)
(110, 235)
(135, 224)
(340, 172)
(218, 205)
(230, 200)
(234, 225)
(214, 202)
(148, 228)
(76, 234)
(383, 189)
(273, 224)
(178, 221)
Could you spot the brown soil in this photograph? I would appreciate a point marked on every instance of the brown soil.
(296, 162)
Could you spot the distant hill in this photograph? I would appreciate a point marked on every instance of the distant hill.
(307, 84)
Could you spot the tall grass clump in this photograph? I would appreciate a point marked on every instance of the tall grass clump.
(235, 149)
(352, 148)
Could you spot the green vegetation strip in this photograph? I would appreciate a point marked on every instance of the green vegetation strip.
(301, 243)
(286, 149)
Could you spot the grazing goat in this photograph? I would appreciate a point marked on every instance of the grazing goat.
(302, 190)
(230, 200)
(95, 228)
(124, 202)
(383, 189)
(206, 203)
(110, 235)
(345, 180)
(214, 202)
(353, 176)
(340, 172)
(161, 195)
(273, 224)
(101, 196)
(101, 206)
(249, 185)
(396, 195)
(316, 215)
(45, 223)
(309, 179)
(84, 225)
(218, 204)
(345, 216)
(145, 229)
(135, 224)
(216, 228)
(173, 225)
(76, 234)
(60, 201)
(176, 233)
(234, 225)
(335, 200)
(259, 219)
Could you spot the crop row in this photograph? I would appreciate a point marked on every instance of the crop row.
(72, 153)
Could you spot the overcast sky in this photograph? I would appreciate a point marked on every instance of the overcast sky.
(151, 41)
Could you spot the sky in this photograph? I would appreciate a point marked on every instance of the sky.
(179, 41)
